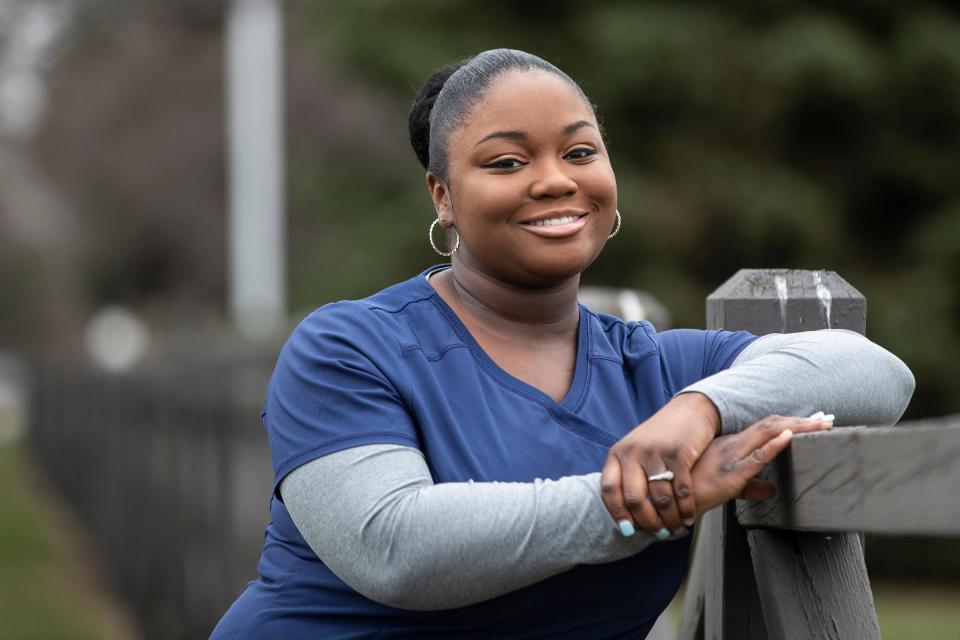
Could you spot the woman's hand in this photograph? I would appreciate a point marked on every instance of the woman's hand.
(723, 471)
(671, 440)
(726, 469)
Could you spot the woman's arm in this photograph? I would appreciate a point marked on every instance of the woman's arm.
(836, 371)
(833, 370)
(375, 517)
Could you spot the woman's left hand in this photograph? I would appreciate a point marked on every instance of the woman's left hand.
(672, 440)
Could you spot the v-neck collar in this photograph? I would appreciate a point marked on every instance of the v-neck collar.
(578, 386)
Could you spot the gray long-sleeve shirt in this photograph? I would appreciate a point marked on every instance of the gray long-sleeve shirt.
(374, 515)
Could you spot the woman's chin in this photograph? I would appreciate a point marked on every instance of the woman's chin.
(558, 269)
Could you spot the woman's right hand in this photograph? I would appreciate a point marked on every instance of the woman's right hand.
(727, 467)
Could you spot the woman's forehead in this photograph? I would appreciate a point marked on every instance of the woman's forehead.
(521, 100)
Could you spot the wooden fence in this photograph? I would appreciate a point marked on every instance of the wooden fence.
(169, 470)
(792, 567)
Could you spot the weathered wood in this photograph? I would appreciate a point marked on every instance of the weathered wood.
(731, 602)
(692, 614)
(812, 587)
(726, 585)
(765, 301)
(891, 480)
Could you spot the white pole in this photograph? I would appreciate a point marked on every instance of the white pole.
(257, 271)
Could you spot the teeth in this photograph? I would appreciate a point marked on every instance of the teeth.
(554, 221)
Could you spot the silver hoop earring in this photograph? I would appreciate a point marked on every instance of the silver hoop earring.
(616, 229)
(434, 244)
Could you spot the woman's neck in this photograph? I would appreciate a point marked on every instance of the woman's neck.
(545, 312)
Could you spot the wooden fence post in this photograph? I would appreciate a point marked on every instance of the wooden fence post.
(722, 599)
(806, 585)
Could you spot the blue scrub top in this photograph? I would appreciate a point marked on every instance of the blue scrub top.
(400, 368)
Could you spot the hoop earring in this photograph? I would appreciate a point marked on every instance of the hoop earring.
(616, 229)
(434, 244)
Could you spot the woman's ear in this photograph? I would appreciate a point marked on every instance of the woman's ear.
(440, 195)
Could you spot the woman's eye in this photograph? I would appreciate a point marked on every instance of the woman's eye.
(504, 163)
(581, 153)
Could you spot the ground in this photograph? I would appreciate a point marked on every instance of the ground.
(50, 586)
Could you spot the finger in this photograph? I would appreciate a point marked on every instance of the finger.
(823, 417)
(612, 494)
(760, 457)
(661, 491)
(683, 491)
(662, 498)
(817, 422)
(758, 434)
(757, 490)
(637, 500)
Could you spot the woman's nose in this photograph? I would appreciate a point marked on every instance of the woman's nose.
(552, 181)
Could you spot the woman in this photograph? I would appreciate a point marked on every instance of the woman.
(438, 446)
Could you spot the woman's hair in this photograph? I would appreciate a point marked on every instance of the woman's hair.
(444, 101)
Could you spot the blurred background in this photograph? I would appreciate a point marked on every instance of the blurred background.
(134, 476)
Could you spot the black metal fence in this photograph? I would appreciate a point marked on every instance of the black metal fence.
(170, 472)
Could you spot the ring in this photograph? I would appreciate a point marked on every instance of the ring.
(663, 475)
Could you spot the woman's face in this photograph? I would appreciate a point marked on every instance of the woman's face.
(531, 190)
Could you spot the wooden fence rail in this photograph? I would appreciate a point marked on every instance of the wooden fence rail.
(884, 480)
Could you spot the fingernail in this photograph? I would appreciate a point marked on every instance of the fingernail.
(663, 534)
(679, 531)
(626, 528)
(817, 416)
(688, 522)
(827, 418)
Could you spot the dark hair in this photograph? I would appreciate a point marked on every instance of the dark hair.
(446, 98)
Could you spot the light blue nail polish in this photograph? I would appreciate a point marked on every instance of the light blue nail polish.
(663, 534)
(626, 528)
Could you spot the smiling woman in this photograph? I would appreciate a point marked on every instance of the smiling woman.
(526, 180)
(472, 454)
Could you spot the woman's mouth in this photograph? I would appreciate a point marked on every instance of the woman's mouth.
(556, 226)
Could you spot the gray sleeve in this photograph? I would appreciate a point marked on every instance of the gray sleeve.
(376, 519)
(795, 374)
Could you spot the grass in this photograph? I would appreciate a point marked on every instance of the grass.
(918, 611)
(46, 588)
(906, 611)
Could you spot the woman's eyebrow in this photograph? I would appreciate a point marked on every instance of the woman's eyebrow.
(513, 135)
(570, 128)
(520, 135)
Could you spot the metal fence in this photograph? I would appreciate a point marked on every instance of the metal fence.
(169, 470)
